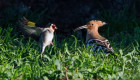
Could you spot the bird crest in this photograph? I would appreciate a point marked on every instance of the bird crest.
(96, 22)
(91, 24)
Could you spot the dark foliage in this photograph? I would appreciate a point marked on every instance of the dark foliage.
(69, 14)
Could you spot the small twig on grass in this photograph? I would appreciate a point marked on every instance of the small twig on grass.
(66, 75)
(20, 76)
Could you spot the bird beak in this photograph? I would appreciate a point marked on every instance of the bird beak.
(104, 23)
(56, 28)
(82, 27)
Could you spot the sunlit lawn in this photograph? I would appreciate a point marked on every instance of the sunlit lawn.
(20, 59)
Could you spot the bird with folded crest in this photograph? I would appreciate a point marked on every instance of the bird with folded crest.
(94, 39)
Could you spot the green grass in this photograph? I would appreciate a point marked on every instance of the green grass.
(20, 59)
(20, 56)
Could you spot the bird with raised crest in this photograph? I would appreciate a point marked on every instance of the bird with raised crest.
(43, 35)
(94, 39)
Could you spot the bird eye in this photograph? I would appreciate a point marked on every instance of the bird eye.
(92, 24)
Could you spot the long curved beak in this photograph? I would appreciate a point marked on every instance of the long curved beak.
(82, 27)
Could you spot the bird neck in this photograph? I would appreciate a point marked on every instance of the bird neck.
(94, 34)
(51, 30)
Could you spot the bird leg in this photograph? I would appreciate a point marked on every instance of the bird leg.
(42, 49)
(51, 43)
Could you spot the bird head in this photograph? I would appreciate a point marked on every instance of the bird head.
(97, 23)
(91, 25)
(53, 26)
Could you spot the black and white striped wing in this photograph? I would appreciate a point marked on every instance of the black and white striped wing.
(98, 45)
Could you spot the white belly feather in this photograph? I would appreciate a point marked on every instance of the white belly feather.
(49, 37)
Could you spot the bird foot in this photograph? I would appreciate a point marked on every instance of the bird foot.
(51, 43)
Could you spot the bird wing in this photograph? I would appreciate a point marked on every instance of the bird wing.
(28, 30)
(103, 43)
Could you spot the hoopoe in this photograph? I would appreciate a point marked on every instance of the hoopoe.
(44, 35)
(93, 38)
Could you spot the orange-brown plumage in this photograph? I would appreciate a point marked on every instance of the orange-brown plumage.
(92, 27)
(93, 37)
